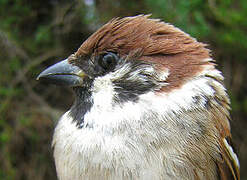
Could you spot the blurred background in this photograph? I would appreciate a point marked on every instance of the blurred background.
(36, 34)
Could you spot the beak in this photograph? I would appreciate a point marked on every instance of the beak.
(63, 73)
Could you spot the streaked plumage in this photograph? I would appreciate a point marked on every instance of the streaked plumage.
(149, 105)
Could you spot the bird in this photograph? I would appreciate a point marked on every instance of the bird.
(149, 104)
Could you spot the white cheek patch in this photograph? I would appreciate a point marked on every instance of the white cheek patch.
(103, 92)
(105, 110)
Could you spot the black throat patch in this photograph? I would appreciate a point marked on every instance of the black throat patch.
(83, 103)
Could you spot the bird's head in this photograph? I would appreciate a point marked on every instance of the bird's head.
(144, 89)
(128, 58)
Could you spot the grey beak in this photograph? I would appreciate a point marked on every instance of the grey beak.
(63, 73)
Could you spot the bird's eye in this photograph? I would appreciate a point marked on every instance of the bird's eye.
(108, 61)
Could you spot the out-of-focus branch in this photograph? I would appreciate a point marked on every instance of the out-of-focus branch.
(13, 50)
(45, 107)
(22, 72)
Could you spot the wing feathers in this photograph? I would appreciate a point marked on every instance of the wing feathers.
(229, 167)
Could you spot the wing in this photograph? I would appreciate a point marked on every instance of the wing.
(229, 167)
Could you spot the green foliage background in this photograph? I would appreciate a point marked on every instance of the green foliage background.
(35, 34)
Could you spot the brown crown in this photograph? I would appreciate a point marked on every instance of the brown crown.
(154, 41)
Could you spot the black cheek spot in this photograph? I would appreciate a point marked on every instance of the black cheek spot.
(130, 90)
(136, 81)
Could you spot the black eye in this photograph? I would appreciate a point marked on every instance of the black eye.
(108, 61)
